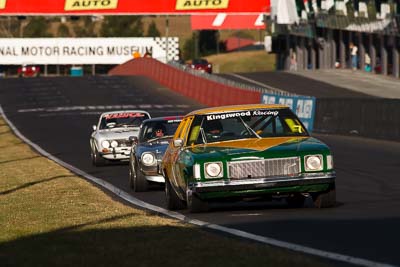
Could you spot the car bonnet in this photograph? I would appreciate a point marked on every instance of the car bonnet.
(119, 133)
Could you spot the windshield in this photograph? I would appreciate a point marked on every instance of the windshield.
(199, 62)
(236, 125)
(124, 119)
(158, 129)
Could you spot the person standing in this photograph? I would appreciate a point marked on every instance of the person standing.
(354, 57)
(136, 54)
(367, 63)
(293, 62)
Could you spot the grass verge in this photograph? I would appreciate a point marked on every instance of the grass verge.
(245, 61)
(51, 217)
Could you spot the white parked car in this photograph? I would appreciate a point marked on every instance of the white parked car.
(111, 139)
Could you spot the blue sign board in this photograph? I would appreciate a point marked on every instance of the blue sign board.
(76, 71)
(303, 106)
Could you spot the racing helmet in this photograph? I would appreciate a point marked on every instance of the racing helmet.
(213, 127)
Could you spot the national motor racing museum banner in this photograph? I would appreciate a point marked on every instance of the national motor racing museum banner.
(124, 7)
(18, 51)
(303, 106)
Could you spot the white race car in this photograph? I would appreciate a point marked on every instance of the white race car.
(112, 137)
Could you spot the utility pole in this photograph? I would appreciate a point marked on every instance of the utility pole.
(166, 37)
(9, 26)
(21, 29)
(217, 35)
(21, 25)
(196, 44)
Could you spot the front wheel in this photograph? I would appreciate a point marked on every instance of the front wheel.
(97, 160)
(172, 199)
(131, 175)
(295, 201)
(325, 199)
(140, 184)
(195, 204)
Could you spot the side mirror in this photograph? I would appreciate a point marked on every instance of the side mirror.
(94, 127)
(133, 139)
(178, 143)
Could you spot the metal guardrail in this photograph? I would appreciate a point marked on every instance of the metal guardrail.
(229, 82)
(387, 26)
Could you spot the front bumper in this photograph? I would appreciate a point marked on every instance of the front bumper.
(120, 153)
(151, 173)
(155, 178)
(262, 185)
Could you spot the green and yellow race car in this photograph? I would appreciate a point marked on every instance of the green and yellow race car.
(236, 152)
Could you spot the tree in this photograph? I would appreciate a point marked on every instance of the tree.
(87, 30)
(63, 31)
(37, 27)
(207, 42)
(122, 26)
(9, 27)
(188, 49)
(152, 30)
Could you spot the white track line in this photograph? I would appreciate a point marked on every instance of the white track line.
(124, 195)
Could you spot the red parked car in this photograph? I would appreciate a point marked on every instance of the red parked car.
(201, 64)
(28, 71)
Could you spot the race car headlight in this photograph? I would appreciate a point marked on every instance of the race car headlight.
(213, 169)
(313, 162)
(105, 144)
(329, 162)
(23, 69)
(148, 159)
(33, 68)
(114, 143)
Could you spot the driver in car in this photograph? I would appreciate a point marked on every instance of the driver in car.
(159, 131)
(213, 129)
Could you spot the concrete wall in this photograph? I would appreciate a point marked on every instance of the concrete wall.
(375, 117)
(205, 91)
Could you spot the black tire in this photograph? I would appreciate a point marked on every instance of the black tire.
(295, 201)
(325, 199)
(195, 204)
(172, 199)
(97, 160)
(140, 184)
(131, 185)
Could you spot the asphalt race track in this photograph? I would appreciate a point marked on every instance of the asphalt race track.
(58, 114)
(294, 84)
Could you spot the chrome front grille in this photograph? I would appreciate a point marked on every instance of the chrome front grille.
(124, 142)
(246, 169)
(264, 168)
